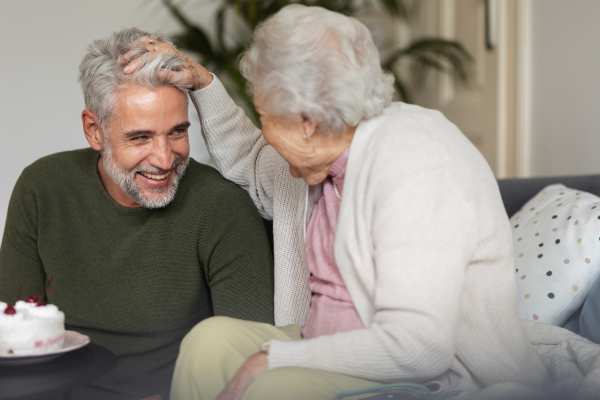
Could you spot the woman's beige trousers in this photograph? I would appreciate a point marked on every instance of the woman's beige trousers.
(214, 350)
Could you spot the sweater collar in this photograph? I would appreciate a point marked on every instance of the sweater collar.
(338, 168)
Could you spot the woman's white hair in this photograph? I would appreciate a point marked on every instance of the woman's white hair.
(318, 63)
(101, 77)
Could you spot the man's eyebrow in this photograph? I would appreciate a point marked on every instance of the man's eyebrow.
(182, 125)
(140, 132)
(137, 132)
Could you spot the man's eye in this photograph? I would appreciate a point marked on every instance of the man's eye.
(140, 138)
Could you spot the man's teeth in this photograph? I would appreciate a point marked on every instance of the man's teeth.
(155, 177)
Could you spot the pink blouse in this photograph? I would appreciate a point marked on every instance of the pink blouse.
(331, 309)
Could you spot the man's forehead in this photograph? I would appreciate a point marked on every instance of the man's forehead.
(141, 96)
(137, 96)
(140, 105)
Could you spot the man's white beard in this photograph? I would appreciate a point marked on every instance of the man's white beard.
(160, 197)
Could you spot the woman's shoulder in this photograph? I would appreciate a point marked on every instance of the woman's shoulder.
(408, 128)
(413, 139)
(411, 119)
(404, 129)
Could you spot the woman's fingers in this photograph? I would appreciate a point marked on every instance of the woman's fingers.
(144, 41)
(132, 66)
(182, 77)
(193, 74)
(154, 47)
(256, 364)
(128, 57)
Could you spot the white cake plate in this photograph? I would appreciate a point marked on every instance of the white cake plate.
(73, 341)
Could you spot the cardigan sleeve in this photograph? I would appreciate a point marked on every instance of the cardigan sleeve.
(419, 243)
(240, 152)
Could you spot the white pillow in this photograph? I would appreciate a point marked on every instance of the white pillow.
(557, 250)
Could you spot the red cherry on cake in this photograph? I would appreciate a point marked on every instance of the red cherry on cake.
(30, 299)
(10, 310)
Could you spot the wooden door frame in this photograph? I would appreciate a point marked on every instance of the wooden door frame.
(514, 88)
(513, 24)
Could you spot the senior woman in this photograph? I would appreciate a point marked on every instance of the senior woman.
(392, 246)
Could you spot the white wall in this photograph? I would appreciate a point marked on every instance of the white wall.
(43, 42)
(565, 87)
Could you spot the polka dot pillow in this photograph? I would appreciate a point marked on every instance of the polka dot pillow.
(557, 249)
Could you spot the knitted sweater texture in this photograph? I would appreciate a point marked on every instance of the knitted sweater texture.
(135, 280)
(423, 244)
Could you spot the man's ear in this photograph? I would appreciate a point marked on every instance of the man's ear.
(92, 130)
(309, 126)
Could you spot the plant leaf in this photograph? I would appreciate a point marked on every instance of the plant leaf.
(193, 38)
(440, 54)
(220, 21)
(396, 8)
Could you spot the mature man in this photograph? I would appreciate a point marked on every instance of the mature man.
(139, 252)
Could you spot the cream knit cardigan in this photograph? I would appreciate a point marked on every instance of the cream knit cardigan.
(423, 245)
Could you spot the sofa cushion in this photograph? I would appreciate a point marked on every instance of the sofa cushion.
(516, 192)
(557, 247)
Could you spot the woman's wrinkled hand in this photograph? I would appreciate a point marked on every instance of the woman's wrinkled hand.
(253, 366)
(194, 74)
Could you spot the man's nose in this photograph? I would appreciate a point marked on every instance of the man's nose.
(162, 154)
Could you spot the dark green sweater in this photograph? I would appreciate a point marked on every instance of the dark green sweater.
(135, 280)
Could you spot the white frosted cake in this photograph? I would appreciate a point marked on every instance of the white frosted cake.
(30, 328)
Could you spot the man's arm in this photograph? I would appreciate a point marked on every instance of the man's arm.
(238, 262)
(20, 264)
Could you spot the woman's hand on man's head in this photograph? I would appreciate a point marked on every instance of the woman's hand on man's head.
(194, 74)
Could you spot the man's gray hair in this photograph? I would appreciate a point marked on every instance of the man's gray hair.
(101, 76)
(315, 62)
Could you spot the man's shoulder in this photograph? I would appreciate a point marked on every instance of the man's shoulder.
(58, 166)
(202, 178)
(51, 181)
(64, 169)
(204, 186)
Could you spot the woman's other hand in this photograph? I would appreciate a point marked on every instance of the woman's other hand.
(194, 74)
(253, 366)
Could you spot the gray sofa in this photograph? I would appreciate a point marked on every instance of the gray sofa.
(515, 193)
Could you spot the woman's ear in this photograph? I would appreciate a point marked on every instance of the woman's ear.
(92, 130)
(309, 127)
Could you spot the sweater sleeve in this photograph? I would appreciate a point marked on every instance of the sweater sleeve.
(20, 264)
(237, 258)
(237, 147)
(420, 249)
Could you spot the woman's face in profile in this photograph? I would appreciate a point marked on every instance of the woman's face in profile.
(286, 135)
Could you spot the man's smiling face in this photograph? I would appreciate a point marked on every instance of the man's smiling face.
(146, 147)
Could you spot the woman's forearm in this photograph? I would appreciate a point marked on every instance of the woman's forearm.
(237, 147)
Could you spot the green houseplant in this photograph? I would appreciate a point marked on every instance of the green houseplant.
(220, 54)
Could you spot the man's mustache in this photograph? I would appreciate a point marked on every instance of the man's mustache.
(152, 169)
